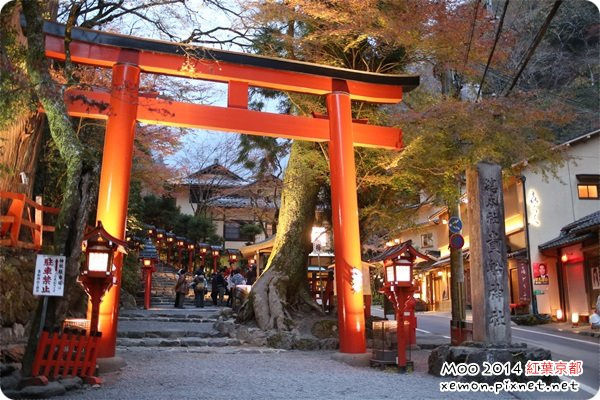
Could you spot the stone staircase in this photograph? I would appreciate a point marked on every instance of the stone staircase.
(163, 325)
(163, 288)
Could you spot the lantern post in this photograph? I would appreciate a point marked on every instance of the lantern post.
(98, 273)
(203, 250)
(215, 254)
(149, 257)
(191, 253)
(398, 288)
(170, 244)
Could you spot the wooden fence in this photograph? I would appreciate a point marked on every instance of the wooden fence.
(28, 213)
(70, 353)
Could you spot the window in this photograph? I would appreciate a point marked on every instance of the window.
(233, 232)
(587, 191)
(587, 186)
(427, 240)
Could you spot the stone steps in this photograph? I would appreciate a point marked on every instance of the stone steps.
(188, 341)
(169, 334)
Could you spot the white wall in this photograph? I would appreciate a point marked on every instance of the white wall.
(559, 205)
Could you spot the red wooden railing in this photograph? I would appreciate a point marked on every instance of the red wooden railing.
(24, 212)
(70, 353)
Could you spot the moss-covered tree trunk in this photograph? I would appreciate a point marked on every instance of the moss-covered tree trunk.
(80, 188)
(282, 288)
(21, 124)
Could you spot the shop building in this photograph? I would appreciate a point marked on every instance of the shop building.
(547, 218)
(231, 202)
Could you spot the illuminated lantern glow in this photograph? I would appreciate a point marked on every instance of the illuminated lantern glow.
(575, 319)
(564, 258)
(559, 314)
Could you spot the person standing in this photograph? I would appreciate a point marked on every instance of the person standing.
(251, 276)
(236, 279)
(213, 288)
(219, 285)
(199, 288)
(181, 289)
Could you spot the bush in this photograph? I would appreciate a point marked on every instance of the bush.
(131, 276)
(531, 319)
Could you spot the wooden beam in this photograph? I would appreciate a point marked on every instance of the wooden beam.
(94, 104)
(105, 49)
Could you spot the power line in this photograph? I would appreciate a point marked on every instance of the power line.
(534, 44)
(498, 32)
(472, 30)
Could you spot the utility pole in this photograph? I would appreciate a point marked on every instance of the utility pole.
(457, 284)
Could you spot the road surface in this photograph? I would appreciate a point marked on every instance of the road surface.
(563, 345)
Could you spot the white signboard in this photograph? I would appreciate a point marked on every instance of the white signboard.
(49, 279)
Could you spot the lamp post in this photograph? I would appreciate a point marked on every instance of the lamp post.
(398, 289)
(215, 254)
(180, 242)
(191, 253)
(232, 258)
(203, 250)
(149, 256)
(150, 231)
(170, 243)
(96, 275)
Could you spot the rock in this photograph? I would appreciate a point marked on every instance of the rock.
(226, 312)
(225, 327)
(324, 329)
(38, 392)
(436, 359)
(12, 353)
(7, 369)
(280, 340)
(329, 344)
(459, 354)
(242, 333)
(491, 356)
(11, 381)
(127, 301)
(306, 343)
(71, 383)
(12, 334)
(478, 353)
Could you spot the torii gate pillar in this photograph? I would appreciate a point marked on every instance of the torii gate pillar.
(344, 204)
(113, 194)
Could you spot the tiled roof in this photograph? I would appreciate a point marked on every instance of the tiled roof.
(575, 232)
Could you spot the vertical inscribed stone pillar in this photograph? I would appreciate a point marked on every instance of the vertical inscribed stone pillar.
(489, 278)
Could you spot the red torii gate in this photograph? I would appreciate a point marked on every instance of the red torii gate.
(123, 105)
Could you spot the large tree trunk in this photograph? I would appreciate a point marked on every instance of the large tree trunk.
(21, 125)
(283, 288)
(81, 173)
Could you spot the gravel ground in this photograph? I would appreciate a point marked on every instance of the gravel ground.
(155, 373)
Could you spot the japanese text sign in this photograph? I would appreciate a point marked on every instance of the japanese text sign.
(49, 279)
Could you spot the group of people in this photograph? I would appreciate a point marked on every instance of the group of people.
(220, 285)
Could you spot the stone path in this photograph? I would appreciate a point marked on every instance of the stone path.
(257, 373)
(177, 354)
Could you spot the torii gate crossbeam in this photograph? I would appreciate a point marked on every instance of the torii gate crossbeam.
(123, 106)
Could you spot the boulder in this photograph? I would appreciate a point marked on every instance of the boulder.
(329, 344)
(326, 328)
(305, 343)
(71, 383)
(280, 340)
(40, 392)
(127, 301)
(436, 359)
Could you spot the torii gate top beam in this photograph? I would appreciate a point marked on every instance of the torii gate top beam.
(153, 56)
